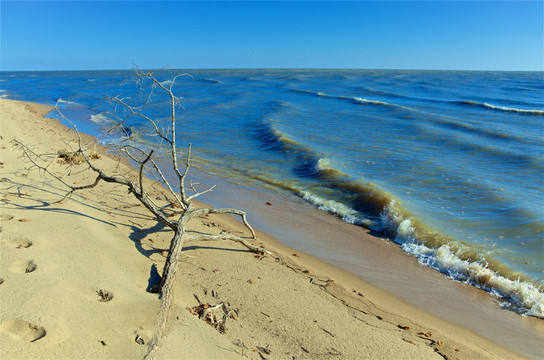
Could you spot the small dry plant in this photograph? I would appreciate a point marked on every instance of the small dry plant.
(75, 157)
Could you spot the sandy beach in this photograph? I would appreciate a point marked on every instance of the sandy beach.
(76, 278)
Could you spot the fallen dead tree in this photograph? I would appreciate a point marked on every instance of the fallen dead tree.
(177, 214)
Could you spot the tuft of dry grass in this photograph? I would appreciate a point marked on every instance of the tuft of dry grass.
(104, 295)
(75, 157)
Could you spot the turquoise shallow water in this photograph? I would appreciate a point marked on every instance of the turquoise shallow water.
(449, 165)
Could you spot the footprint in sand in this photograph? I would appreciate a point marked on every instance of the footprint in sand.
(142, 337)
(22, 330)
(23, 266)
(19, 243)
(6, 217)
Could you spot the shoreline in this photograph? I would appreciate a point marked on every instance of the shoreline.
(374, 308)
(380, 262)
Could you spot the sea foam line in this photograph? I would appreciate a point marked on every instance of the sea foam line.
(65, 102)
(346, 213)
(100, 119)
(366, 101)
(504, 108)
(522, 296)
(355, 99)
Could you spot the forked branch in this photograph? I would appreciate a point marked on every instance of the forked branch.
(144, 161)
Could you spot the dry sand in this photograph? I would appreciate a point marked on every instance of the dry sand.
(59, 260)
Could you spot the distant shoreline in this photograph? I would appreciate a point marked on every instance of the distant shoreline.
(279, 69)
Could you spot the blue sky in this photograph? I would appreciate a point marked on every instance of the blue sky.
(75, 35)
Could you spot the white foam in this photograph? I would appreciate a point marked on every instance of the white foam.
(504, 108)
(60, 101)
(3, 93)
(347, 214)
(523, 296)
(366, 101)
(100, 119)
(323, 164)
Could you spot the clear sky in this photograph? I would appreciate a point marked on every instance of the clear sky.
(74, 35)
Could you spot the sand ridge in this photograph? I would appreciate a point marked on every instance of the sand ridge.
(77, 275)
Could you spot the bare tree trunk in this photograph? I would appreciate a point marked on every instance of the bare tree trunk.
(181, 206)
(166, 289)
(171, 264)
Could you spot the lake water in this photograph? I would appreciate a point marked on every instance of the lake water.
(449, 165)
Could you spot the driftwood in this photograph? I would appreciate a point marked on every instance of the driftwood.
(181, 207)
(207, 313)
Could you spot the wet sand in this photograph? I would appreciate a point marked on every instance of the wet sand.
(380, 262)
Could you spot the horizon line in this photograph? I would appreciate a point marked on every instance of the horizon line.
(272, 68)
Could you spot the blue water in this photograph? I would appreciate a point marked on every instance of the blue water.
(449, 165)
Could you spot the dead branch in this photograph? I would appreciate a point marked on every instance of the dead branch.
(227, 236)
(144, 160)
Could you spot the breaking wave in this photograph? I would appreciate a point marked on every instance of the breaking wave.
(503, 108)
(361, 203)
(100, 119)
(353, 99)
(346, 213)
(359, 100)
(458, 263)
(65, 102)
(272, 139)
(111, 127)
(455, 260)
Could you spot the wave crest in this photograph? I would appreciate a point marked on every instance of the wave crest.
(65, 102)
(346, 213)
(523, 297)
(100, 119)
(213, 81)
(273, 139)
(503, 108)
